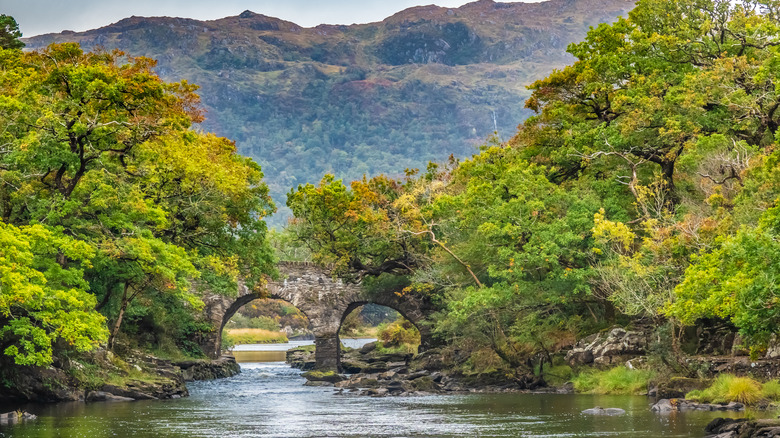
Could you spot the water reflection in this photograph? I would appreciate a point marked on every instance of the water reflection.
(249, 353)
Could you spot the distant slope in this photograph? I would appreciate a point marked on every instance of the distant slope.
(370, 98)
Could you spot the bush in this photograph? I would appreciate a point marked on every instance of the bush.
(398, 336)
(558, 375)
(771, 390)
(729, 388)
(619, 380)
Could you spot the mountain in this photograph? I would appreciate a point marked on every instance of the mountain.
(424, 83)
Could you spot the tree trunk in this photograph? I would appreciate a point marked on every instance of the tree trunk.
(118, 323)
(667, 172)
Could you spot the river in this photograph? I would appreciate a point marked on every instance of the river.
(268, 399)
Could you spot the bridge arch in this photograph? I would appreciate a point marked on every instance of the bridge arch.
(325, 300)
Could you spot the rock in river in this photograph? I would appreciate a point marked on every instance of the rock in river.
(604, 411)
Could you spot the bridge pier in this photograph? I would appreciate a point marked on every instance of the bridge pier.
(327, 352)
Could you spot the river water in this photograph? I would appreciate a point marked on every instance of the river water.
(268, 399)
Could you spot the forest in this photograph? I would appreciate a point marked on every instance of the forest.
(642, 192)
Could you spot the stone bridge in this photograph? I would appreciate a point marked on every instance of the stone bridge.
(324, 299)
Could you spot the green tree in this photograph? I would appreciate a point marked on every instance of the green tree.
(527, 239)
(41, 301)
(646, 88)
(737, 281)
(9, 33)
(98, 146)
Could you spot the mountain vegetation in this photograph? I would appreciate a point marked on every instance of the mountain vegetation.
(115, 215)
(643, 190)
(362, 99)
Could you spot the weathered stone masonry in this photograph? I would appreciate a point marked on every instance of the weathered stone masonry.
(325, 300)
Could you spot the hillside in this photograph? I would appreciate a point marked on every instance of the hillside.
(370, 98)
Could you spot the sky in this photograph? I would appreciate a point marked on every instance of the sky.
(37, 17)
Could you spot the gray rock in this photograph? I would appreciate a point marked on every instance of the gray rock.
(379, 392)
(617, 346)
(417, 375)
(374, 367)
(604, 411)
(368, 348)
(316, 376)
(579, 356)
(317, 383)
(663, 406)
(387, 375)
(102, 396)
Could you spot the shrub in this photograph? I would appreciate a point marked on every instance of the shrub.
(771, 390)
(727, 388)
(558, 375)
(619, 380)
(399, 335)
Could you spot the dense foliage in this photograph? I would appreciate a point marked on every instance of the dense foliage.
(645, 187)
(112, 209)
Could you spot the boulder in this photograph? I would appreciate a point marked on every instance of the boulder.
(617, 346)
(374, 367)
(579, 356)
(320, 376)
(376, 392)
(424, 384)
(598, 410)
(14, 417)
(102, 396)
(317, 383)
(225, 366)
(417, 375)
(669, 405)
(742, 428)
(663, 406)
(368, 348)
(352, 366)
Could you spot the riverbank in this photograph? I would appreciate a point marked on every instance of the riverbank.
(373, 372)
(104, 376)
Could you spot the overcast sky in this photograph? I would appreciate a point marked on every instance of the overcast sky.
(36, 17)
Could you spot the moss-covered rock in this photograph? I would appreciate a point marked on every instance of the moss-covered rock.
(323, 376)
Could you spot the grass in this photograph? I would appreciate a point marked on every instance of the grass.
(252, 336)
(364, 331)
(729, 388)
(619, 380)
(771, 390)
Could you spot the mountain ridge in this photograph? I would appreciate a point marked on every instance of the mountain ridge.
(424, 83)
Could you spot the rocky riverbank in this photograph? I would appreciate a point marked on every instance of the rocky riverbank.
(107, 378)
(371, 372)
(743, 428)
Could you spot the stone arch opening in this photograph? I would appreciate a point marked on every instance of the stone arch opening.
(366, 318)
(219, 310)
(273, 318)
